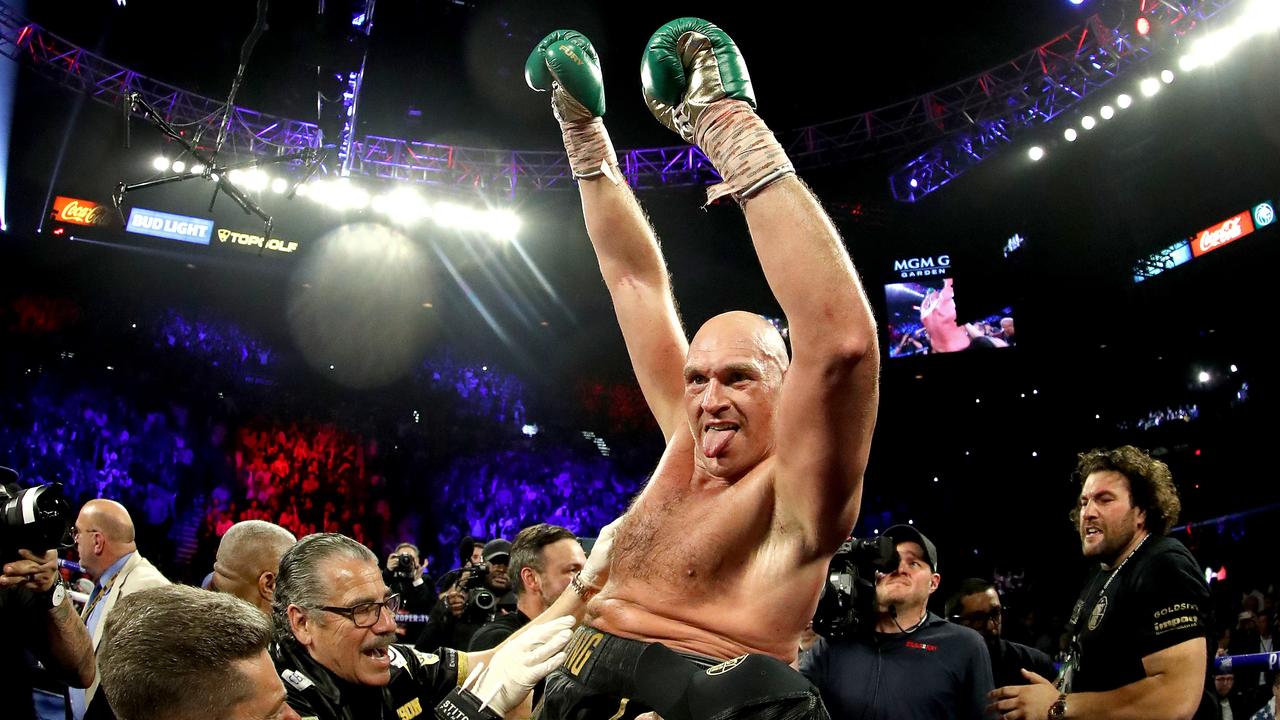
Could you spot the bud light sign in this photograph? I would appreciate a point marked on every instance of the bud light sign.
(171, 227)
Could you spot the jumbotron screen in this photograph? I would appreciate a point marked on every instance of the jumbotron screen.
(926, 317)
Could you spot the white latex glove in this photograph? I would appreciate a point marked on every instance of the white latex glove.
(596, 572)
(523, 661)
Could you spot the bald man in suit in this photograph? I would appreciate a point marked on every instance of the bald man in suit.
(104, 536)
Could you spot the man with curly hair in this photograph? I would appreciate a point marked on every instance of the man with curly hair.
(1140, 630)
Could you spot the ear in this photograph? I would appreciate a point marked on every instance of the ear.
(267, 585)
(934, 580)
(530, 579)
(301, 625)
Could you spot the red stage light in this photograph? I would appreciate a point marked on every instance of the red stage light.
(1197, 452)
(1143, 26)
(59, 231)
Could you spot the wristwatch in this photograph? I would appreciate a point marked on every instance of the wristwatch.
(1058, 710)
(54, 595)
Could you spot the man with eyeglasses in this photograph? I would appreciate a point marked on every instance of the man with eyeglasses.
(976, 604)
(104, 537)
(334, 643)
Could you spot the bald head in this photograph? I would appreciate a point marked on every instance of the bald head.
(248, 561)
(740, 330)
(111, 518)
(104, 534)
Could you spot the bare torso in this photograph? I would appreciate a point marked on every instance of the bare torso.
(713, 570)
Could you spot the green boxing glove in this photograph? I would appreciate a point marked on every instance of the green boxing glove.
(689, 64)
(696, 83)
(566, 64)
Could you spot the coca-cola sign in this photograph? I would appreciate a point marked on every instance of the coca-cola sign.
(1227, 231)
(80, 212)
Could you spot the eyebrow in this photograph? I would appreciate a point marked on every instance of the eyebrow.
(739, 367)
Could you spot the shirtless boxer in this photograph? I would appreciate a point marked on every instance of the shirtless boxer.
(726, 550)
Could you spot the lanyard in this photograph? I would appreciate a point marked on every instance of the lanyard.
(1072, 663)
(104, 589)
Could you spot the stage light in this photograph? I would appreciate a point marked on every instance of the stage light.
(161, 163)
(1188, 62)
(256, 180)
(236, 177)
(1070, 134)
(1124, 101)
(1035, 454)
(1149, 86)
(179, 166)
(503, 224)
(1143, 26)
(1203, 376)
(197, 169)
(1234, 369)
(279, 185)
(1087, 122)
(1076, 2)
(1107, 112)
(302, 190)
(1166, 76)
(914, 183)
(1035, 153)
(358, 199)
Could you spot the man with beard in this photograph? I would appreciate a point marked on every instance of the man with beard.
(335, 627)
(976, 605)
(544, 559)
(1140, 630)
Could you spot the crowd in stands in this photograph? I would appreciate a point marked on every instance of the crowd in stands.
(218, 344)
(479, 391)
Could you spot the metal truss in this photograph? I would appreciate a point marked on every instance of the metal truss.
(976, 116)
(962, 123)
(1157, 262)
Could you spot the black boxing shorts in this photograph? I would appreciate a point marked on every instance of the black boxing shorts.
(605, 677)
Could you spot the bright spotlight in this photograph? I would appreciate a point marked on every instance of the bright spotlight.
(1107, 112)
(197, 169)
(358, 198)
(236, 177)
(1087, 122)
(1143, 26)
(1149, 86)
(503, 224)
(1203, 377)
(161, 163)
(302, 190)
(179, 166)
(1035, 153)
(1188, 62)
(1124, 101)
(1235, 369)
(1070, 134)
(1166, 76)
(914, 183)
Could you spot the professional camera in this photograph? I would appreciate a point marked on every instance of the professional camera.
(480, 599)
(403, 569)
(848, 601)
(35, 518)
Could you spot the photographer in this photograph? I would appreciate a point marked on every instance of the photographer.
(470, 600)
(911, 663)
(405, 578)
(36, 614)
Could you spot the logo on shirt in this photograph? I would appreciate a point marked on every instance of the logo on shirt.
(1099, 611)
(296, 679)
(726, 666)
(921, 646)
(426, 658)
(409, 710)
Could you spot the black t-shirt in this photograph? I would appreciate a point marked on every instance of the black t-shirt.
(495, 632)
(1157, 600)
(20, 624)
(1009, 658)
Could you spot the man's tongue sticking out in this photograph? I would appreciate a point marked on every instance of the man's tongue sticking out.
(714, 440)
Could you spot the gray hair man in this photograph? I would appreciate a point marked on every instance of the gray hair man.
(335, 649)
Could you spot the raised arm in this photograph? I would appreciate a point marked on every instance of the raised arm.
(697, 84)
(630, 260)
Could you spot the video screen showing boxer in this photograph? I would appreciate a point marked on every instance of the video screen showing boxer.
(922, 319)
